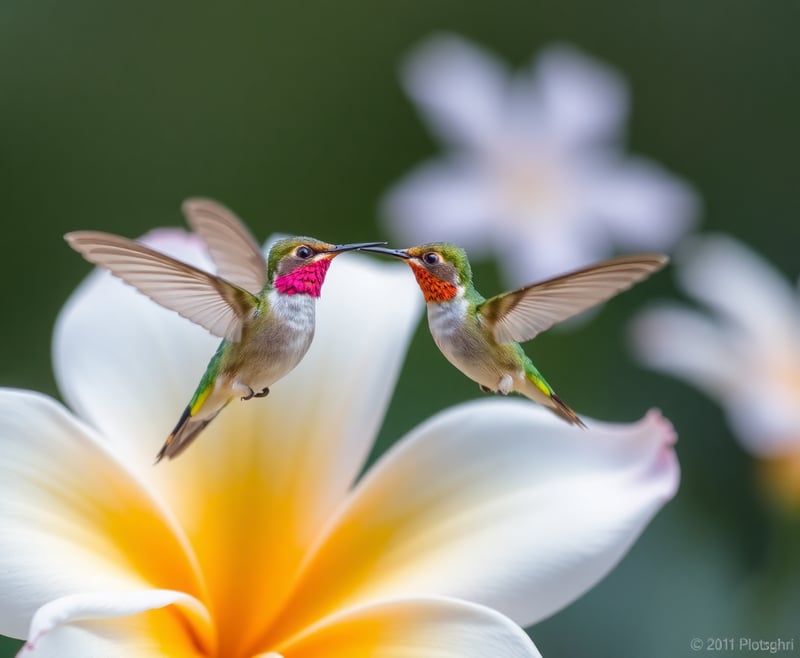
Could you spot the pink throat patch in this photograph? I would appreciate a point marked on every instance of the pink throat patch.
(305, 280)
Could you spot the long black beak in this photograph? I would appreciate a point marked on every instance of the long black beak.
(350, 247)
(397, 253)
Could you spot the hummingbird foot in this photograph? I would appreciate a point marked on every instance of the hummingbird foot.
(252, 394)
(485, 389)
(247, 391)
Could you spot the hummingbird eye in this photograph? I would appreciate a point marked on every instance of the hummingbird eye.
(304, 252)
(431, 258)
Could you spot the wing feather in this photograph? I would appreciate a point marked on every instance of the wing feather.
(213, 303)
(520, 315)
(234, 251)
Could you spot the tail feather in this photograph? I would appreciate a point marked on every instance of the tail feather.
(186, 430)
(560, 409)
(538, 390)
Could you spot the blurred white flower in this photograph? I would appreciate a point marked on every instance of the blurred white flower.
(743, 351)
(259, 541)
(536, 171)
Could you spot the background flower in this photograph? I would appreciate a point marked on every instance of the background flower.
(743, 349)
(535, 172)
(257, 539)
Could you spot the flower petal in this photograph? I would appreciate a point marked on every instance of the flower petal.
(460, 88)
(762, 303)
(73, 517)
(144, 636)
(497, 503)
(687, 344)
(265, 468)
(310, 436)
(727, 366)
(165, 630)
(767, 424)
(267, 474)
(584, 100)
(440, 199)
(542, 249)
(124, 363)
(435, 628)
(641, 204)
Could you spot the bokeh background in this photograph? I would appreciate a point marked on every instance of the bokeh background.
(292, 114)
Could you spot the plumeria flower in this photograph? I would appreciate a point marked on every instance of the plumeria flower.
(261, 540)
(743, 350)
(535, 169)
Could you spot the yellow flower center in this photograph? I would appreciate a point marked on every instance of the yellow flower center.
(529, 186)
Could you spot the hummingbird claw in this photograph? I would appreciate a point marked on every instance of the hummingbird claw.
(485, 389)
(252, 394)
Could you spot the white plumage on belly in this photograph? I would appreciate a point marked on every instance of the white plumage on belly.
(275, 350)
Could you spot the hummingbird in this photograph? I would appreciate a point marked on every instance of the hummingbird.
(481, 337)
(263, 309)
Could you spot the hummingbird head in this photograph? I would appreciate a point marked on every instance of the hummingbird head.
(298, 265)
(441, 269)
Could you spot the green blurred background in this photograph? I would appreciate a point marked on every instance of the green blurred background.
(291, 113)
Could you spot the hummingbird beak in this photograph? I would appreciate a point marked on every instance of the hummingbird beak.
(339, 248)
(397, 253)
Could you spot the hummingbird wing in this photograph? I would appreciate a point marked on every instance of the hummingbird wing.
(520, 315)
(214, 303)
(234, 251)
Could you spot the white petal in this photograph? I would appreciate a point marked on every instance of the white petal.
(584, 100)
(497, 503)
(763, 421)
(125, 364)
(43, 637)
(121, 638)
(267, 474)
(763, 411)
(316, 427)
(686, 344)
(741, 286)
(410, 628)
(73, 517)
(448, 200)
(543, 249)
(337, 397)
(459, 87)
(643, 205)
(760, 308)
(265, 468)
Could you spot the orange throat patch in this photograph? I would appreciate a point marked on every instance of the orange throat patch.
(434, 289)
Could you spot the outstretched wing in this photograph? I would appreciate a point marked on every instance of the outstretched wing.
(521, 314)
(203, 298)
(234, 251)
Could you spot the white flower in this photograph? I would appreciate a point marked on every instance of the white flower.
(260, 541)
(536, 171)
(744, 351)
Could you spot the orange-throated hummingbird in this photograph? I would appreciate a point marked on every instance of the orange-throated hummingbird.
(481, 337)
